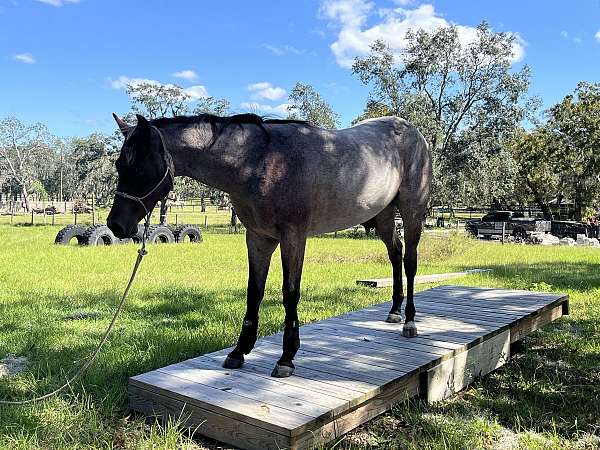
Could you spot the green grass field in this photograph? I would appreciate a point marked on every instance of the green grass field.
(55, 302)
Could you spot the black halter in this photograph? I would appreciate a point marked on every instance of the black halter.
(169, 171)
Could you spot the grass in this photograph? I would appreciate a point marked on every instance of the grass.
(189, 299)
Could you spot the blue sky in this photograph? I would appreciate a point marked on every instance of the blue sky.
(64, 62)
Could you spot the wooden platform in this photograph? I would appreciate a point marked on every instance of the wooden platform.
(349, 369)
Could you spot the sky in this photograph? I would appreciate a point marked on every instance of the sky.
(66, 62)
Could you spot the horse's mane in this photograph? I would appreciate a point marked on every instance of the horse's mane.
(219, 124)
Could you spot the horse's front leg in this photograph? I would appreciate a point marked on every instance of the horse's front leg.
(260, 249)
(293, 244)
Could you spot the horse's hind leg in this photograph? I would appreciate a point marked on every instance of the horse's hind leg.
(412, 217)
(260, 250)
(386, 230)
(293, 244)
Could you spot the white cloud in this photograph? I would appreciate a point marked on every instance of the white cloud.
(597, 35)
(280, 110)
(194, 93)
(355, 37)
(266, 91)
(58, 3)
(26, 58)
(188, 75)
(282, 50)
(564, 34)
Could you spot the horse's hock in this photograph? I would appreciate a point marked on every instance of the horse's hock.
(349, 369)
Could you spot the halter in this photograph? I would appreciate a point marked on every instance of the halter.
(169, 171)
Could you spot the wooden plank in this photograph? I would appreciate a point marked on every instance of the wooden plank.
(242, 409)
(407, 388)
(205, 422)
(325, 364)
(227, 381)
(254, 380)
(526, 326)
(385, 338)
(455, 374)
(391, 358)
(344, 384)
(419, 279)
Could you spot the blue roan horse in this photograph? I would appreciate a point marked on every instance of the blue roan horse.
(287, 180)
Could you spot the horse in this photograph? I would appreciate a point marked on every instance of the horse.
(287, 180)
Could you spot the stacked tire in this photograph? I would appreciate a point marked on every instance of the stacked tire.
(100, 235)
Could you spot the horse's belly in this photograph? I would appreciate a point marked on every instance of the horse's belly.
(356, 202)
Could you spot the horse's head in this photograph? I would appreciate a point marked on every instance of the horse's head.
(145, 176)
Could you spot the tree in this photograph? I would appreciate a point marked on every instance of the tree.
(449, 90)
(575, 123)
(307, 104)
(155, 100)
(536, 174)
(23, 150)
(211, 105)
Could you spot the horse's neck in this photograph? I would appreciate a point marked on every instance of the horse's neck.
(220, 165)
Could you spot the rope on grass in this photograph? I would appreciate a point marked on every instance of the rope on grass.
(141, 253)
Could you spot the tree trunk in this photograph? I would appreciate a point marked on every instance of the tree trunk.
(538, 199)
(202, 203)
(233, 221)
(25, 197)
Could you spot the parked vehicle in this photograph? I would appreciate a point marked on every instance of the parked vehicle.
(512, 222)
(565, 228)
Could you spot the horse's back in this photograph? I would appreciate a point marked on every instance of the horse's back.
(345, 177)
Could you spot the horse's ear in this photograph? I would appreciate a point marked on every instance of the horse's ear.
(123, 126)
(142, 122)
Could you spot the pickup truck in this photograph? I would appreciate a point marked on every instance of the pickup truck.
(515, 224)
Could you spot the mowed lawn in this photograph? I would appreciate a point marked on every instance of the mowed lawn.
(55, 302)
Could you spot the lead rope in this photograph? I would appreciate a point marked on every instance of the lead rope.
(141, 253)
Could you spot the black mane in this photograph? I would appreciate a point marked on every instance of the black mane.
(245, 118)
(219, 124)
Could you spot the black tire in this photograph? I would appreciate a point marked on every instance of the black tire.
(192, 232)
(99, 235)
(66, 235)
(137, 237)
(160, 234)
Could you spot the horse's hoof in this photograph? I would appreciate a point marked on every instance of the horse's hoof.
(233, 363)
(281, 371)
(394, 318)
(409, 330)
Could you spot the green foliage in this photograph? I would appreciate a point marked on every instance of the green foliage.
(211, 105)
(464, 98)
(307, 104)
(155, 100)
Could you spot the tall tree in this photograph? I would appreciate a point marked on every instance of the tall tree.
(448, 88)
(575, 123)
(307, 104)
(211, 105)
(155, 100)
(22, 149)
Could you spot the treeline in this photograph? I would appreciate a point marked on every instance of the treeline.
(490, 141)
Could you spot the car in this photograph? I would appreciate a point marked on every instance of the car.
(514, 223)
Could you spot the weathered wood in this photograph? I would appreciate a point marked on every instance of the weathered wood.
(349, 369)
(419, 279)
(454, 374)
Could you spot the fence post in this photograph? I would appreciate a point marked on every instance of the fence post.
(75, 214)
(32, 217)
(176, 219)
(503, 231)
(11, 217)
(206, 222)
(53, 219)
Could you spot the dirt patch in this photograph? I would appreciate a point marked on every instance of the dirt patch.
(12, 365)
